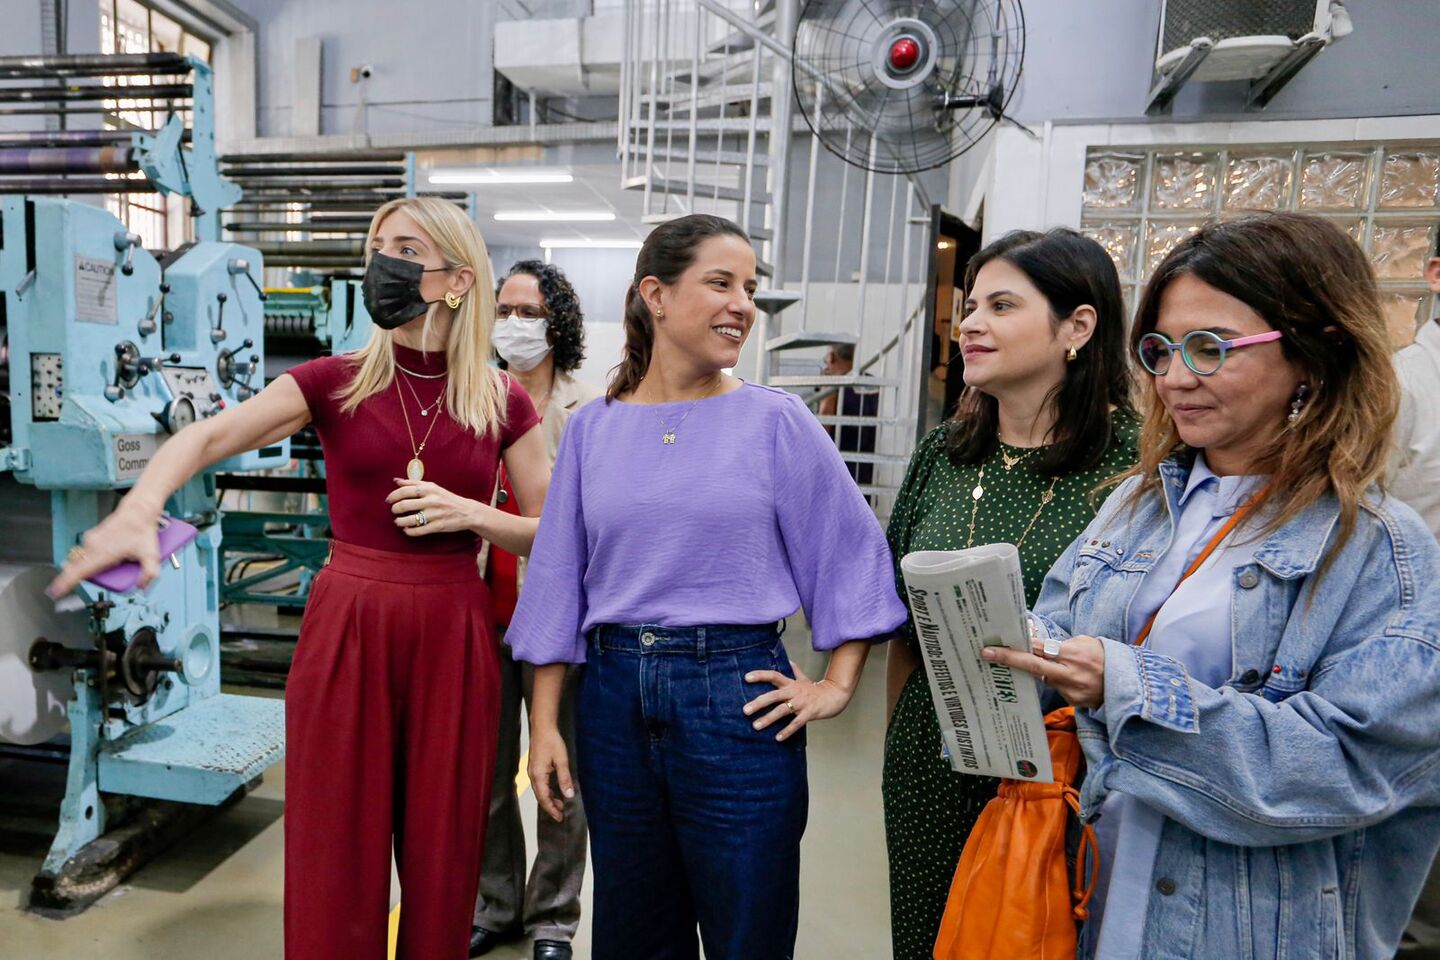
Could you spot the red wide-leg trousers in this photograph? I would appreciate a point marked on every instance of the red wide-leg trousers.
(391, 715)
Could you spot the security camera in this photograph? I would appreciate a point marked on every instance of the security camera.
(363, 72)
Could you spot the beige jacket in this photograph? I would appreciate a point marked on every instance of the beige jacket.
(566, 396)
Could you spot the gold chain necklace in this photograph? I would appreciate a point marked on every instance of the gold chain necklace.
(415, 469)
(1012, 462)
(540, 404)
(424, 407)
(422, 376)
(668, 437)
(979, 492)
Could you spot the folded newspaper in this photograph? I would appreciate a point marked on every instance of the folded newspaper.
(963, 601)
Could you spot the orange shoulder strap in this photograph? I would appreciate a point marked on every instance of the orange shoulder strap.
(1220, 535)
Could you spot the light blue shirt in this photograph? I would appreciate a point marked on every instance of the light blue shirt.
(1301, 796)
(1194, 629)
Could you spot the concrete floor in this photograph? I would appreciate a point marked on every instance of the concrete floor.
(216, 894)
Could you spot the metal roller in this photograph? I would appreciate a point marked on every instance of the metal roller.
(327, 216)
(93, 65)
(361, 204)
(290, 170)
(321, 186)
(15, 160)
(342, 156)
(362, 200)
(290, 326)
(313, 248)
(365, 201)
(66, 138)
(347, 265)
(54, 187)
(313, 204)
(335, 226)
(160, 91)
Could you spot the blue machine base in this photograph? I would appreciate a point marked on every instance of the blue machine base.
(202, 754)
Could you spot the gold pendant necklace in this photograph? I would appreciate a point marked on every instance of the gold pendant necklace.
(979, 492)
(667, 438)
(425, 408)
(1012, 462)
(415, 469)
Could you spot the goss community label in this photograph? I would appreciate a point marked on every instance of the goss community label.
(132, 454)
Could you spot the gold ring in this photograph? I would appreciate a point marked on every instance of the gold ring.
(76, 554)
(791, 705)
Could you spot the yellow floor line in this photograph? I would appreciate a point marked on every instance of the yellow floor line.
(522, 779)
(522, 783)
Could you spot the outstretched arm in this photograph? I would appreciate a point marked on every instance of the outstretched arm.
(129, 532)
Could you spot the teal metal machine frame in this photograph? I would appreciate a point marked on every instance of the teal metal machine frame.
(115, 344)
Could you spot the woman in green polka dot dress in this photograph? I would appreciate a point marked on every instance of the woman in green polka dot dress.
(1045, 419)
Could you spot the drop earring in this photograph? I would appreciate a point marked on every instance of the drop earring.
(1071, 355)
(452, 300)
(1297, 403)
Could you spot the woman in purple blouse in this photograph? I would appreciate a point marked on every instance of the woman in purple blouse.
(689, 513)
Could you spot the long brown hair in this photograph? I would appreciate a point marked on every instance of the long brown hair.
(1306, 278)
(1070, 271)
(667, 253)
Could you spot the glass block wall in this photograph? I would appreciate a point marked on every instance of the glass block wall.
(1138, 203)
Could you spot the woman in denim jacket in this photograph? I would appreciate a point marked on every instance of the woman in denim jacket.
(1250, 629)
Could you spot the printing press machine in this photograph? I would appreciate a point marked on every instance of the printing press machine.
(107, 350)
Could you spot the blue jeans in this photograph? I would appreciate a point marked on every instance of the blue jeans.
(695, 816)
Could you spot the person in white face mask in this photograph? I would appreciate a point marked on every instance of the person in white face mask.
(539, 335)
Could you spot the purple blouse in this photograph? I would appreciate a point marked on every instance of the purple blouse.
(749, 515)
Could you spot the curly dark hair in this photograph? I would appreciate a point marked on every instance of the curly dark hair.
(566, 322)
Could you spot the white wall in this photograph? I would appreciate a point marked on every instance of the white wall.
(600, 279)
(432, 63)
(1093, 61)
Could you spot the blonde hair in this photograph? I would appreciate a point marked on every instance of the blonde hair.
(1308, 279)
(475, 393)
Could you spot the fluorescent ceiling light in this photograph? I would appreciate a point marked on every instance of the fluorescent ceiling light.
(561, 243)
(555, 216)
(493, 175)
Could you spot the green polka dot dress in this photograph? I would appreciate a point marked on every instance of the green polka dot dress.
(929, 808)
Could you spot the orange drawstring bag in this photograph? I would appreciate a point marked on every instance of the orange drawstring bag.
(1012, 897)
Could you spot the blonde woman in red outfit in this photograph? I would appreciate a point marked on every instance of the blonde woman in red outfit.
(392, 700)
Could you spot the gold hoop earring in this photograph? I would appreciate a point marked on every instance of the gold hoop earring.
(453, 300)
(1071, 355)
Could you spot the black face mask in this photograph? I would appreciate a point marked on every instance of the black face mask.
(392, 290)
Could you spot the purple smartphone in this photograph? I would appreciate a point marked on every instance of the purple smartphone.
(124, 577)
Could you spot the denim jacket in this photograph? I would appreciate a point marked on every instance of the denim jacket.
(1302, 797)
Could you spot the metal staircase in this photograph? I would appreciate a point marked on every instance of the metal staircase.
(703, 131)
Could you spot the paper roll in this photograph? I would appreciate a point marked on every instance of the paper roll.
(32, 705)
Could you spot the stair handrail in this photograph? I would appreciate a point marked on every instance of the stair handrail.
(820, 393)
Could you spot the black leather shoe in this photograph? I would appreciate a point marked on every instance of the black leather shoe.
(552, 950)
(482, 941)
